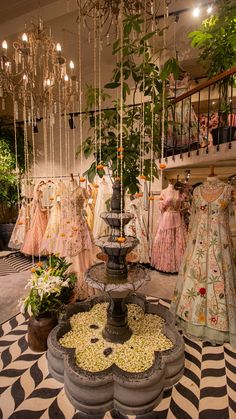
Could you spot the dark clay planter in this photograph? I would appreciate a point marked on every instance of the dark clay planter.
(39, 329)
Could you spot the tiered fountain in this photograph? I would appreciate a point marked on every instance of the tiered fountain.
(134, 393)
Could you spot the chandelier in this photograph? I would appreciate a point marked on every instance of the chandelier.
(35, 72)
(108, 10)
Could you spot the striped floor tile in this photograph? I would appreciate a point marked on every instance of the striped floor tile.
(13, 263)
(207, 389)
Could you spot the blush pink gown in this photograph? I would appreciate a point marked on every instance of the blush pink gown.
(38, 226)
(170, 240)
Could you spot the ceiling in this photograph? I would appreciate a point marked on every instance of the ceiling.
(10, 9)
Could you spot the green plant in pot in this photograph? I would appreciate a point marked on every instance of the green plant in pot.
(50, 289)
(141, 131)
(216, 40)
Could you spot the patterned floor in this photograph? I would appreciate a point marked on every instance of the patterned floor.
(13, 263)
(206, 391)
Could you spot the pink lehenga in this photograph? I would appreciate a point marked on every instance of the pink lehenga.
(170, 240)
(74, 239)
(38, 225)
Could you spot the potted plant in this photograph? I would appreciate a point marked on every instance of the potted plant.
(140, 121)
(49, 290)
(216, 39)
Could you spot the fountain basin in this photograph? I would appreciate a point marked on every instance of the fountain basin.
(113, 248)
(131, 393)
(97, 277)
(113, 219)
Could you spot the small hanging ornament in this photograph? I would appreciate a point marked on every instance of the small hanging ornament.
(162, 166)
(142, 177)
(100, 166)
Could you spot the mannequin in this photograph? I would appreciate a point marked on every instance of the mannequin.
(170, 240)
(205, 295)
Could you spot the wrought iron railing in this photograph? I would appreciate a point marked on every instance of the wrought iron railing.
(202, 117)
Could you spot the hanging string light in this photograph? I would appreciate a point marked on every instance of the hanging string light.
(100, 166)
(162, 164)
(15, 117)
(81, 179)
(121, 239)
(95, 85)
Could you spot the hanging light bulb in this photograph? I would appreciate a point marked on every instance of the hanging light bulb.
(4, 45)
(66, 78)
(196, 12)
(24, 37)
(72, 66)
(58, 47)
(48, 82)
(209, 9)
(24, 77)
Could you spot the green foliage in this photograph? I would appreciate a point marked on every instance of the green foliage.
(8, 179)
(140, 122)
(216, 38)
(50, 287)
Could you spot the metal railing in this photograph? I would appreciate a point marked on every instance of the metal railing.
(202, 117)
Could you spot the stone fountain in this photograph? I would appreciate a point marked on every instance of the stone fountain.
(94, 393)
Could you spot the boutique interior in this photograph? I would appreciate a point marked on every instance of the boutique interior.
(118, 186)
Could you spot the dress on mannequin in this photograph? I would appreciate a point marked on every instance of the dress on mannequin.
(21, 226)
(38, 224)
(170, 241)
(205, 295)
(137, 228)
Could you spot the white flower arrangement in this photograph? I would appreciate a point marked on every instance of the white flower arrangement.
(49, 287)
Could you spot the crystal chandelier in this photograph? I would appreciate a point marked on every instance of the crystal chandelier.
(34, 73)
(108, 10)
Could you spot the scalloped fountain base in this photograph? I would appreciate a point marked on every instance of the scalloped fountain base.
(95, 393)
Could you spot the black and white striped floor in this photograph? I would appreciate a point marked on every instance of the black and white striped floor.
(13, 263)
(27, 391)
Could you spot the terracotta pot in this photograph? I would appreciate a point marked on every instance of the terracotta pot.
(38, 330)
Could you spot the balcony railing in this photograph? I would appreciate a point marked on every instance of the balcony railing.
(202, 117)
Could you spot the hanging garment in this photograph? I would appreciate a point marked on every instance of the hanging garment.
(205, 295)
(170, 240)
(103, 196)
(137, 228)
(50, 239)
(34, 236)
(90, 207)
(21, 226)
(74, 238)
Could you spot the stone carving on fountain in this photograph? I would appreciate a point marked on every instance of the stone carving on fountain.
(94, 393)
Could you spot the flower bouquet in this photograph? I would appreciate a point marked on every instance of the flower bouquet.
(50, 289)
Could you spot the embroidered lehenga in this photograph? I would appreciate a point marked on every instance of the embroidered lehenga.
(205, 296)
